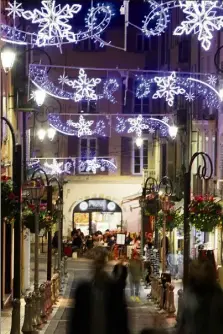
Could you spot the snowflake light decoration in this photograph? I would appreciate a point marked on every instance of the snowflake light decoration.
(167, 88)
(201, 19)
(52, 19)
(63, 79)
(137, 125)
(143, 89)
(152, 131)
(165, 119)
(82, 126)
(92, 165)
(55, 167)
(15, 9)
(85, 88)
(212, 80)
(190, 97)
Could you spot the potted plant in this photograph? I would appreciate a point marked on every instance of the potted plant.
(205, 213)
(8, 200)
(151, 204)
(173, 219)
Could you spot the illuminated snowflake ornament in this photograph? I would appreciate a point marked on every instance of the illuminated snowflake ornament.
(212, 80)
(15, 9)
(201, 19)
(55, 167)
(190, 97)
(167, 88)
(137, 125)
(152, 131)
(165, 119)
(143, 89)
(63, 79)
(85, 88)
(92, 165)
(82, 126)
(52, 20)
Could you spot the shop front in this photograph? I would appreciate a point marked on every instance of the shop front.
(97, 214)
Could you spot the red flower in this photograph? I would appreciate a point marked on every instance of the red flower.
(5, 178)
(11, 196)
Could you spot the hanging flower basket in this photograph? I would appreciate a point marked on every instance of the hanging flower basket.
(205, 214)
(46, 220)
(151, 206)
(173, 219)
(8, 200)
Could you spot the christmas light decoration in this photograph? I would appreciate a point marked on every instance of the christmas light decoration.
(101, 164)
(137, 125)
(189, 97)
(167, 88)
(52, 20)
(57, 168)
(143, 88)
(83, 126)
(85, 88)
(165, 119)
(201, 19)
(39, 96)
(212, 80)
(99, 127)
(110, 86)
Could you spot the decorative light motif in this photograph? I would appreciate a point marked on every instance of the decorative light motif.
(212, 80)
(53, 24)
(63, 79)
(8, 58)
(38, 96)
(83, 126)
(52, 21)
(137, 125)
(143, 88)
(110, 86)
(57, 168)
(167, 88)
(201, 19)
(92, 165)
(165, 119)
(15, 9)
(190, 97)
(85, 88)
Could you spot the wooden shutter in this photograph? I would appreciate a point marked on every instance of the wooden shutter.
(126, 156)
(103, 150)
(73, 146)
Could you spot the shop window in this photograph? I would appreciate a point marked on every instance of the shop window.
(140, 158)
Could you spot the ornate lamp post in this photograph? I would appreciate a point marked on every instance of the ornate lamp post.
(35, 189)
(165, 205)
(60, 208)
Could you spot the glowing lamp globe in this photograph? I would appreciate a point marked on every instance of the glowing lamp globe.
(7, 58)
(173, 131)
(41, 134)
(139, 142)
(51, 134)
(39, 96)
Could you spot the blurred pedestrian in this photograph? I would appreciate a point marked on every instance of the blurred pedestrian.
(135, 275)
(55, 241)
(99, 308)
(120, 273)
(202, 310)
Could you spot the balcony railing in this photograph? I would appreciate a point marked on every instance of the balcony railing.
(74, 165)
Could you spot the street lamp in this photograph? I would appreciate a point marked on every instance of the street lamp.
(60, 209)
(39, 96)
(41, 133)
(173, 129)
(51, 133)
(8, 58)
(139, 142)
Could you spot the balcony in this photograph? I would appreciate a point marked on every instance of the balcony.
(73, 166)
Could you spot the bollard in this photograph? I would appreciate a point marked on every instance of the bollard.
(42, 290)
(50, 305)
(62, 273)
(159, 292)
(53, 298)
(167, 293)
(161, 302)
(34, 322)
(171, 308)
(156, 283)
(180, 304)
(27, 324)
(55, 263)
(38, 308)
(15, 316)
(65, 266)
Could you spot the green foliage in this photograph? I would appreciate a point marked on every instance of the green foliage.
(173, 219)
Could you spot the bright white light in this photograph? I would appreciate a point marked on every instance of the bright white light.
(139, 142)
(83, 206)
(83, 126)
(111, 206)
(173, 131)
(160, 193)
(221, 94)
(41, 134)
(137, 125)
(51, 133)
(39, 96)
(7, 58)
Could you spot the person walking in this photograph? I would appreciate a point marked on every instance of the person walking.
(120, 273)
(202, 307)
(99, 308)
(135, 275)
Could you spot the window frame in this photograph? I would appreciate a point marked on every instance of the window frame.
(142, 166)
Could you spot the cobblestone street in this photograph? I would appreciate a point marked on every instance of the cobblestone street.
(143, 315)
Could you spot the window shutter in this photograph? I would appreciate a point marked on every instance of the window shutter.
(103, 151)
(126, 156)
(103, 147)
(73, 149)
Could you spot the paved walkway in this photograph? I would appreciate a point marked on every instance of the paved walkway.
(143, 315)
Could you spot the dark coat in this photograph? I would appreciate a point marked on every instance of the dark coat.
(120, 275)
(115, 310)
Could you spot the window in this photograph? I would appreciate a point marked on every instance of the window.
(142, 43)
(140, 157)
(184, 50)
(88, 107)
(88, 150)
